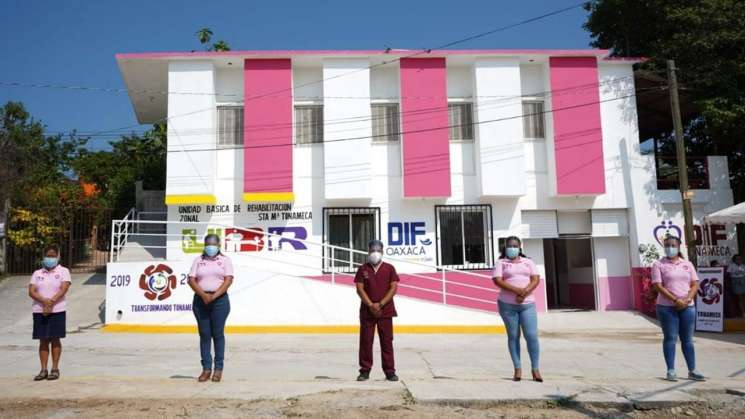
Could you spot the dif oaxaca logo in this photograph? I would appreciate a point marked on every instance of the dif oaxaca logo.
(404, 239)
(710, 290)
(666, 228)
(157, 282)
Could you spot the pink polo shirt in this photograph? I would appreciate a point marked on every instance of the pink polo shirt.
(48, 283)
(211, 272)
(516, 273)
(675, 276)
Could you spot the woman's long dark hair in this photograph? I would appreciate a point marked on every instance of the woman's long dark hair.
(503, 255)
(210, 237)
(675, 239)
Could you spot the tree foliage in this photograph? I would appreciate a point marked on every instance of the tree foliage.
(130, 159)
(205, 36)
(706, 38)
(29, 159)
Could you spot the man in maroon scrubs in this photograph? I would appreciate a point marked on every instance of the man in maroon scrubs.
(377, 282)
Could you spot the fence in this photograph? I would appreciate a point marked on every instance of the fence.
(84, 238)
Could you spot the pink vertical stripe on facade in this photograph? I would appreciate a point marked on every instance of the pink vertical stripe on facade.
(267, 125)
(424, 121)
(578, 138)
(615, 293)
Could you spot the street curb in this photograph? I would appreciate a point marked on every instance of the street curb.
(617, 403)
(671, 399)
(736, 391)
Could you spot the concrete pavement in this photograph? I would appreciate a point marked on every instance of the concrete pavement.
(587, 358)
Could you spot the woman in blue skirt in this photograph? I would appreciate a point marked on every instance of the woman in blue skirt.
(47, 289)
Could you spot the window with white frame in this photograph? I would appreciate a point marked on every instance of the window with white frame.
(464, 236)
(229, 125)
(308, 124)
(385, 122)
(460, 120)
(533, 119)
(348, 228)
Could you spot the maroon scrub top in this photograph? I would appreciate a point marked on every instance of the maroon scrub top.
(377, 285)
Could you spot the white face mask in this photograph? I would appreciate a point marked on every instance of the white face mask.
(374, 257)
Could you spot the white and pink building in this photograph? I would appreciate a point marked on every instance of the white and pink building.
(440, 154)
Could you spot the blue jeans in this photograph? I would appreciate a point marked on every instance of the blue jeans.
(677, 323)
(211, 323)
(516, 317)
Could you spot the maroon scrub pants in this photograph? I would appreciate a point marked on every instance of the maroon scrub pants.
(367, 338)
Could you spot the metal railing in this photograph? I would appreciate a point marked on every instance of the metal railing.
(132, 223)
(129, 226)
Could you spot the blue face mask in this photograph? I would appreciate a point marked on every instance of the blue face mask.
(211, 250)
(512, 252)
(49, 262)
(671, 251)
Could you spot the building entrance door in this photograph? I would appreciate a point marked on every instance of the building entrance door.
(570, 273)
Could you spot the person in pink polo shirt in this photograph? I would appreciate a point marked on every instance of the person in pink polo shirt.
(210, 277)
(676, 282)
(517, 276)
(47, 289)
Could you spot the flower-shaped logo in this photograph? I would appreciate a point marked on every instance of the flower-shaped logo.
(157, 282)
(710, 291)
(666, 228)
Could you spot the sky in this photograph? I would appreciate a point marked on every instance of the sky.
(73, 43)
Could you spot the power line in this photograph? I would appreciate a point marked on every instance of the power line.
(364, 118)
(423, 51)
(167, 92)
(411, 131)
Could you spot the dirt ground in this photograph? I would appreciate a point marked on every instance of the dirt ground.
(341, 404)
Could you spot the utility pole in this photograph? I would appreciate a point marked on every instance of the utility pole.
(685, 193)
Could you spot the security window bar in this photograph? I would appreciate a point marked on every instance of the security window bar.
(229, 125)
(385, 122)
(460, 120)
(464, 236)
(533, 121)
(308, 124)
(349, 228)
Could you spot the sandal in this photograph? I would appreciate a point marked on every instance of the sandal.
(43, 374)
(217, 376)
(53, 375)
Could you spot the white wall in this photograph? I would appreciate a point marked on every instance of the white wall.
(459, 81)
(475, 179)
(499, 144)
(384, 82)
(190, 167)
(346, 151)
(262, 297)
(229, 85)
(305, 81)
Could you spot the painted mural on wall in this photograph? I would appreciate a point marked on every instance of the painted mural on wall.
(712, 240)
(264, 227)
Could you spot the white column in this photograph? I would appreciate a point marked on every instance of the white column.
(190, 169)
(499, 144)
(347, 128)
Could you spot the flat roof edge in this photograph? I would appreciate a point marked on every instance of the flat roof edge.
(600, 53)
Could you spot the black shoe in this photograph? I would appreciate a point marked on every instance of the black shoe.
(391, 377)
(364, 376)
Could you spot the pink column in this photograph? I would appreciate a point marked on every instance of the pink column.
(267, 130)
(424, 121)
(578, 138)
